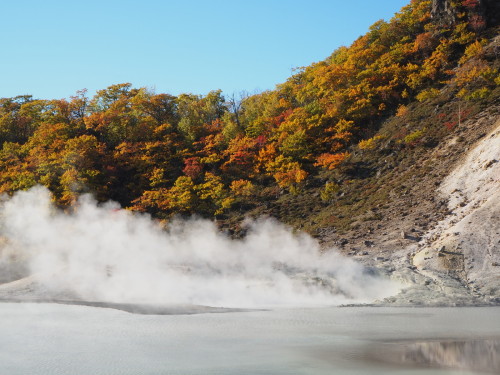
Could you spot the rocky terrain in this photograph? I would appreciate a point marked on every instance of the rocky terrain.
(456, 261)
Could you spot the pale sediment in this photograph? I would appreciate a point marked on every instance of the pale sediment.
(457, 263)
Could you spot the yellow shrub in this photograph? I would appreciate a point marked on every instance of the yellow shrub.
(427, 94)
(369, 144)
(328, 193)
(478, 94)
(415, 136)
(472, 50)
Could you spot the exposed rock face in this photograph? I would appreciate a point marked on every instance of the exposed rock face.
(489, 10)
(458, 261)
(467, 243)
(443, 11)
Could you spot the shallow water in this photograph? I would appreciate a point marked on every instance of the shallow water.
(62, 339)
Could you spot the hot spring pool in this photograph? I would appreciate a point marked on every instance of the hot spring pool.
(63, 339)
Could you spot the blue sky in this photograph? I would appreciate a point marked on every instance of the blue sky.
(53, 48)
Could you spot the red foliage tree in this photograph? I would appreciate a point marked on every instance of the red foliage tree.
(192, 167)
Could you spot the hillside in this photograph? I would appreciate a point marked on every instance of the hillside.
(387, 149)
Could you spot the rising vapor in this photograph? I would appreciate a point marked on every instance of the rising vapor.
(103, 253)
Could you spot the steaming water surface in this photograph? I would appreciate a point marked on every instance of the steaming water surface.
(62, 339)
(98, 252)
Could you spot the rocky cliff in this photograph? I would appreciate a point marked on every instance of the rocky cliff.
(457, 262)
(444, 11)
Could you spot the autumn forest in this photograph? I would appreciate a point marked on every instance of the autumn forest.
(207, 155)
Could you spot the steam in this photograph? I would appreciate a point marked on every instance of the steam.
(104, 253)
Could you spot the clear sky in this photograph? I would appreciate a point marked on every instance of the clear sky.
(52, 48)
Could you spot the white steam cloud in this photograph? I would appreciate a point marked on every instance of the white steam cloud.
(104, 253)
